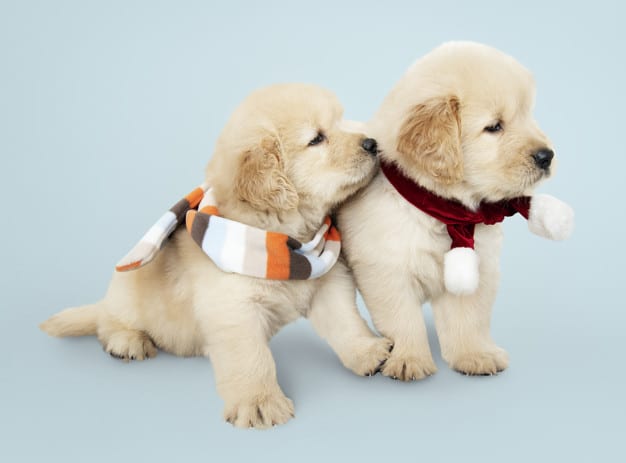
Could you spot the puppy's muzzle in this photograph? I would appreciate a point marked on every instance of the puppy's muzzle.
(543, 158)
(370, 145)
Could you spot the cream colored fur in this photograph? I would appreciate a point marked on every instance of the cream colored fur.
(264, 174)
(432, 124)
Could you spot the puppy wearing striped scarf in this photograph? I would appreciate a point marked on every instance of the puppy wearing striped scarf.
(259, 252)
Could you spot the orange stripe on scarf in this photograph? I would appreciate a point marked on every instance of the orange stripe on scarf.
(191, 216)
(332, 234)
(195, 197)
(277, 256)
(124, 268)
(210, 210)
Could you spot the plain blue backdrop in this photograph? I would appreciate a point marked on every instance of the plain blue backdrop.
(108, 114)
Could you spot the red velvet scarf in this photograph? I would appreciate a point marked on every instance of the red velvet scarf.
(459, 219)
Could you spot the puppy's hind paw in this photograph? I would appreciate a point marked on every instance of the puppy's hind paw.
(130, 345)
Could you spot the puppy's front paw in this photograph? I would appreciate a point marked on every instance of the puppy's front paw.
(260, 411)
(409, 367)
(486, 362)
(367, 354)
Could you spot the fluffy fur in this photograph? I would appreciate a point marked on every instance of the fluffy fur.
(265, 174)
(435, 125)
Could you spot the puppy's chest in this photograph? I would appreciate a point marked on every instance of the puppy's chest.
(425, 240)
(284, 300)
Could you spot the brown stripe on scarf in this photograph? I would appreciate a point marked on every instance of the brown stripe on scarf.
(190, 201)
(293, 243)
(180, 209)
(197, 225)
(299, 266)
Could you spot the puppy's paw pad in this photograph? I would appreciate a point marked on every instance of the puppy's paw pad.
(367, 355)
(260, 412)
(130, 345)
(409, 368)
(481, 363)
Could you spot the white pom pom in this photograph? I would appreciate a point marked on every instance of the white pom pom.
(550, 217)
(460, 271)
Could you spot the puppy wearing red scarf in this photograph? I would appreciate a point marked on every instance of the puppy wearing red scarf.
(460, 151)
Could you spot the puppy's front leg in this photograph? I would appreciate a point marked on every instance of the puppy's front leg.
(245, 373)
(462, 324)
(336, 319)
(395, 306)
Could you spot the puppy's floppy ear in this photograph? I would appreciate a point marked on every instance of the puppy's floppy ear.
(430, 139)
(261, 179)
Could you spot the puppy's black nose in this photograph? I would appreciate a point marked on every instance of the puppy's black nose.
(370, 145)
(543, 158)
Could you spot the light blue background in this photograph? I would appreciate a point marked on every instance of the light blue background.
(108, 113)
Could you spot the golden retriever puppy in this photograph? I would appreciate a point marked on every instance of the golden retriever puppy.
(281, 164)
(457, 138)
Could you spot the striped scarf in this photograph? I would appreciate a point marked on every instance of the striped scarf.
(238, 248)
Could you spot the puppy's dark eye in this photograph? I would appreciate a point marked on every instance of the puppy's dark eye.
(497, 127)
(319, 138)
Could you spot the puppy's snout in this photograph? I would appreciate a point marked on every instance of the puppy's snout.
(370, 145)
(543, 158)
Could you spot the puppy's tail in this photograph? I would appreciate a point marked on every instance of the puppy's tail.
(75, 321)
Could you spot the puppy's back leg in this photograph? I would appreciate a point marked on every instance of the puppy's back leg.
(122, 341)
